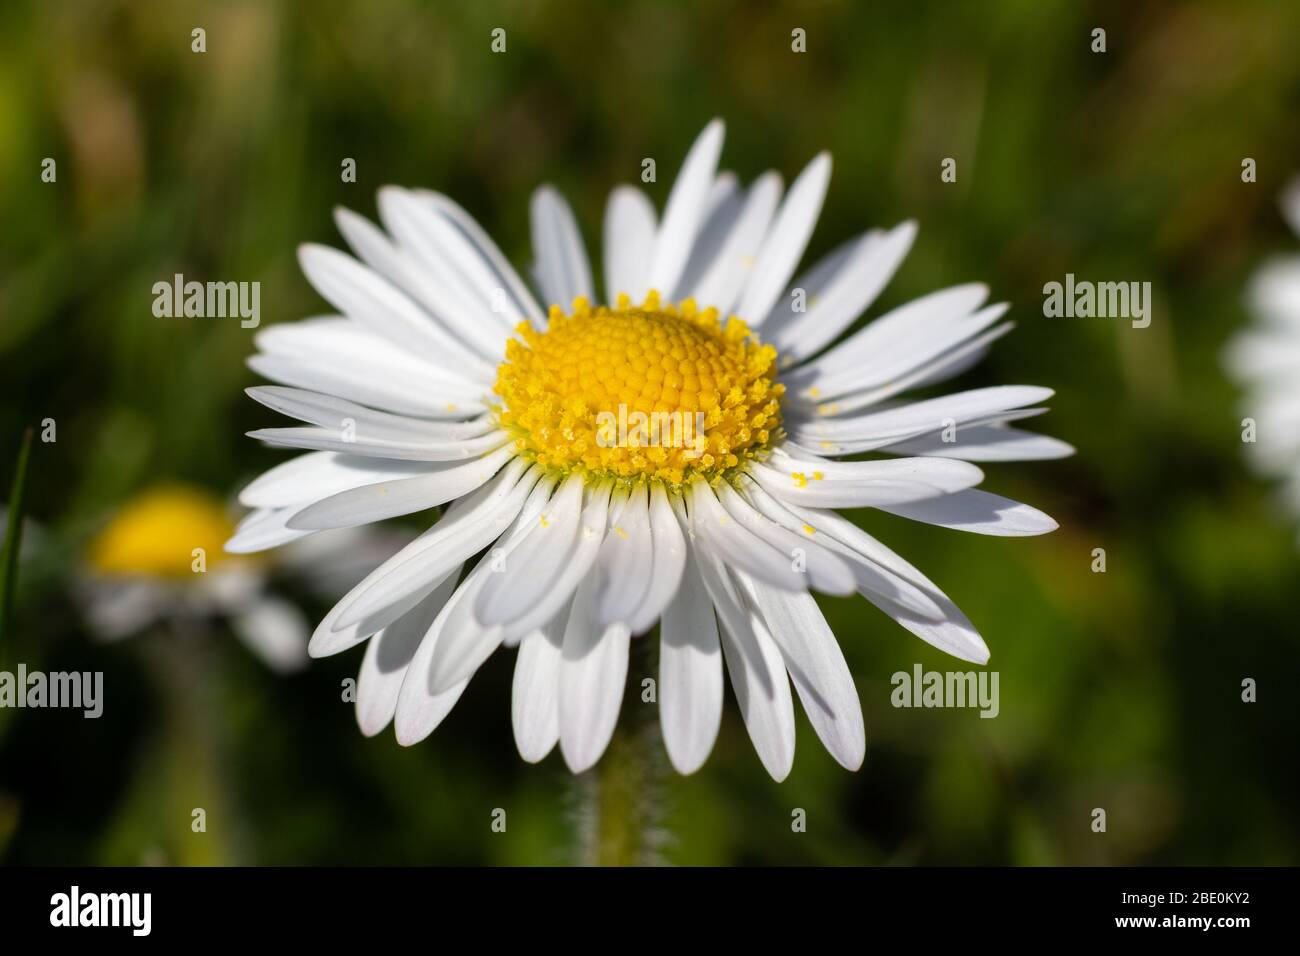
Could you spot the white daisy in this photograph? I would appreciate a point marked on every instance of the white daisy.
(1265, 360)
(442, 381)
(159, 561)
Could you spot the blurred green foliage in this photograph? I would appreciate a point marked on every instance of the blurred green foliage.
(1119, 690)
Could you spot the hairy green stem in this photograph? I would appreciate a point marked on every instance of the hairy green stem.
(621, 796)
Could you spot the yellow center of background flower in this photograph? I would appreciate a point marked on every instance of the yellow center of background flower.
(156, 533)
(666, 392)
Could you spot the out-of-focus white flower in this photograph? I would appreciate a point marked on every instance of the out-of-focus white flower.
(1265, 360)
(160, 560)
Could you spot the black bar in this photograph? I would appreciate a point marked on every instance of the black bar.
(337, 905)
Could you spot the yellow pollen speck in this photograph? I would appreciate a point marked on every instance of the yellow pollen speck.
(668, 392)
(620, 532)
(800, 479)
(156, 534)
(809, 529)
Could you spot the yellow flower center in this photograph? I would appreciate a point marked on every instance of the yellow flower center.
(665, 392)
(157, 534)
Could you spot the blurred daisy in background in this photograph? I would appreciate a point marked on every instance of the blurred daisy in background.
(442, 380)
(160, 561)
(1265, 360)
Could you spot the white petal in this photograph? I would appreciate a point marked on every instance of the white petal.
(593, 673)
(910, 336)
(870, 578)
(625, 562)
(386, 388)
(629, 243)
(945, 366)
(867, 484)
(370, 299)
(730, 539)
(690, 674)
(522, 581)
(331, 637)
(685, 210)
(320, 474)
(757, 672)
(388, 499)
(978, 511)
(343, 345)
(488, 250)
(463, 643)
(351, 440)
(562, 269)
(535, 696)
(669, 546)
(469, 526)
(1264, 354)
(448, 315)
(723, 276)
(119, 608)
(786, 241)
(338, 357)
(548, 563)
(952, 633)
(1274, 291)
(986, 443)
(816, 667)
(276, 631)
(825, 570)
(447, 293)
(878, 429)
(328, 411)
(263, 529)
(388, 655)
(881, 368)
(331, 563)
(420, 707)
(467, 642)
(454, 253)
(867, 268)
(722, 208)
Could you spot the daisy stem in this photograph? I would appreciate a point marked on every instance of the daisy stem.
(621, 795)
(13, 539)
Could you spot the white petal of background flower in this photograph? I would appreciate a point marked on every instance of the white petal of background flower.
(1265, 359)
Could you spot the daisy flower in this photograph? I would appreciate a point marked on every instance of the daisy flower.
(443, 379)
(1265, 360)
(160, 561)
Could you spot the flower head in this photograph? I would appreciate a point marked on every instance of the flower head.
(669, 364)
(160, 560)
(672, 455)
(1265, 359)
